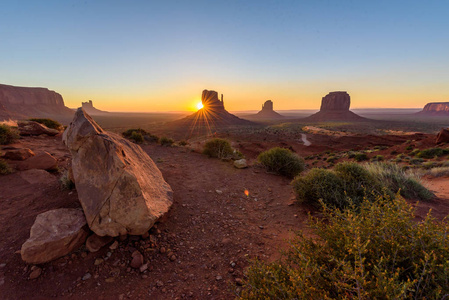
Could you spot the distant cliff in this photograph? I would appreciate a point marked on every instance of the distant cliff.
(435, 108)
(267, 113)
(91, 110)
(20, 102)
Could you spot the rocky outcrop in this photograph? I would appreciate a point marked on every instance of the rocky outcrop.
(267, 113)
(91, 110)
(213, 115)
(17, 153)
(120, 188)
(55, 233)
(443, 136)
(35, 128)
(335, 107)
(336, 101)
(20, 102)
(435, 109)
(42, 161)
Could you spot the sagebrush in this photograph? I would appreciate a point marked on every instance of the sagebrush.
(282, 161)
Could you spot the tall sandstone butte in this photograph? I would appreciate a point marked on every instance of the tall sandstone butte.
(120, 188)
(435, 109)
(21, 102)
(266, 113)
(335, 107)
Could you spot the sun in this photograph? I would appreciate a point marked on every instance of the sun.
(199, 105)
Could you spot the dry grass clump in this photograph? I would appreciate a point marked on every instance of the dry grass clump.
(282, 161)
(4, 168)
(380, 252)
(165, 141)
(140, 135)
(48, 123)
(8, 134)
(218, 148)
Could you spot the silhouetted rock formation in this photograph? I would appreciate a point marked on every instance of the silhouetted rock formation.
(91, 110)
(435, 109)
(266, 113)
(212, 115)
(335, 107)
(20, 102)
(443, 136)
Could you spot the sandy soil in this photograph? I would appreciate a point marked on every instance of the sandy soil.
(201, 248)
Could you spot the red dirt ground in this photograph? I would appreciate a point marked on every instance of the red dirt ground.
(199, 250)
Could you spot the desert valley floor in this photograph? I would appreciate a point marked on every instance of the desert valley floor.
(202, 246)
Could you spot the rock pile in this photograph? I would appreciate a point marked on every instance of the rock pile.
(335, 107)
(120, 188)
(443, 136)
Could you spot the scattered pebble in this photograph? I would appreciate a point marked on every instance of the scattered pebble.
(35, 273)
(99, 261)
(114, 245)
(87, 276)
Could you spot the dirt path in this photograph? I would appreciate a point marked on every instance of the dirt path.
(304, 140)
(197, 252)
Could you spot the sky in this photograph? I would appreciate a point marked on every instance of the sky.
(160, 55)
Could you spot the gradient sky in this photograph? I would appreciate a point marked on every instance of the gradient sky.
(160, 55)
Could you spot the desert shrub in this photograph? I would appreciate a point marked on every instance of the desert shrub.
(381, 252)
(430, 164)
(137, 137)
(165, 141)
(409, 148)
(219, 148)
(282, 161)
(416, 161)
(378, 158)
(4, 167)
(128, 133)
(332, 159)
(360, 156)
(439, 172)
(65, 181)
(394, 152)
(414, 152)
(237, 155)
(432, 152)
(183, 143)
(7, 134)
(397, 179)
(49, 123)
(320, 184)
(351, 154)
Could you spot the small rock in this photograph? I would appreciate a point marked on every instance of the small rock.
(2, 265)
(238, 281)
(219, 192)
(35, 273)
(114, 245)
(99, 261)
(96, 242)
(137, 260)
(240, 164)
(18, 154)
(143, 268)
(162, 250)
(145, 235)
(86, 276)
(173, 257)
(110, 279)
(159, 283)
(261, 227)
(219, 277)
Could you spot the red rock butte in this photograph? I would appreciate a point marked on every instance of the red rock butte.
(212, 115)
(335, 107)
(267, 112)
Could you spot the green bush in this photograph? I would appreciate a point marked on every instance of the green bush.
(432, 152)
(49, 123)
(129, 132)
(381, 252)
(351, 183)
(183, 143)
(7, 134)
(219, 148)
(146, 136)
(165, 141)
(282, 161)
(360, 157)
(137, 137)
(396, 179)
(4, 167)
(378, 158)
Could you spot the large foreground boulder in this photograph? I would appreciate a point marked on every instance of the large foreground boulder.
(55, 233)
(120, 188)
(443, 136)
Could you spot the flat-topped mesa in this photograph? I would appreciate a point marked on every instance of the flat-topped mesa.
(339, 101)
(32, 102)
(210, 100)
(436, 108)
(267, 106)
